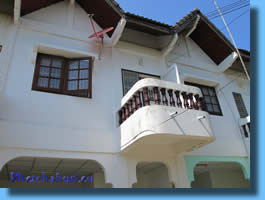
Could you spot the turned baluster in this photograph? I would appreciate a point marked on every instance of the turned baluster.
(185, 97)
(171, 98)
(123, 115)
(179, 103)
(192, 105)
(196, 106)
(248, 126)
(245, 130)
(146, 97)
(120, 117)
(126, 111)
(134, 105)
(156, 95)
(164, 96)
(200, 104)
(130, 107)
(138, 100)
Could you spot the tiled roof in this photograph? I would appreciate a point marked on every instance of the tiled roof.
(147, 19)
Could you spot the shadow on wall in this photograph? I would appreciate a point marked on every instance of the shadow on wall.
(219, 175)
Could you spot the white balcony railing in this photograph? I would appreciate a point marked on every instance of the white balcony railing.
(244, 124)
(152, 91)
(156, 115)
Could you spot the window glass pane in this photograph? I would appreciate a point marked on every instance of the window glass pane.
(72, 85)
(214, 100)
(44, 71)
(57, 62)
(45, 60)
(216, 109)
(129, 79)
(204, 91)
(207, 99)
(83, 74)
(210, 98)
(84, 64)
(83, 84)
(73, 75)
(211, 92)
(43, 82)
(209, 107)
(73, 64)
(56, 73)
(55, 83)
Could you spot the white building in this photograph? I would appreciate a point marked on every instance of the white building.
(163, 106)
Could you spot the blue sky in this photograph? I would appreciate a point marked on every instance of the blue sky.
(171, 11)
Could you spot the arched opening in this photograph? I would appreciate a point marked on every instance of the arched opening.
(219, 175)
(52, 172)
(152, 175)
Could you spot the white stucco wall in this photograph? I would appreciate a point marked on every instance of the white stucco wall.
(195, 66)
(72, 122)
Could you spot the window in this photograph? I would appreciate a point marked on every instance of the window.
(210, 100)
(63, 76)
(129, 78)
(240, 105)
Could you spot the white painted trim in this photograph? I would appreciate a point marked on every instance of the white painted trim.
(227, 62)
(204, 80)
(63, 51)
(194, 26)
(71, 13)
(150, 82)
(118, 32)
(243, 121)
(169, 48)
(172, 67)
(17, 8)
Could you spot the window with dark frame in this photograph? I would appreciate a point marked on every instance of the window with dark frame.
(210, 100)
(129, 78)
(61, 75)
(240, 105)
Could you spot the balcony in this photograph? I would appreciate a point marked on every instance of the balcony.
(244, 124)
(159, 116)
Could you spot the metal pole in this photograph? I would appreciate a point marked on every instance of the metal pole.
(227, 28)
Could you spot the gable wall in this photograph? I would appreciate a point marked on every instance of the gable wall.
(194, 65)
(73, 122)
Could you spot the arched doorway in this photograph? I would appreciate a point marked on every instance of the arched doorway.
(152, 175)
(219, 175)
(52, 172)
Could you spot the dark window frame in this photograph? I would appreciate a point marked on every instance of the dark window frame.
(122, 78)
(64, 76)
(244, 109)
(204, 95)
